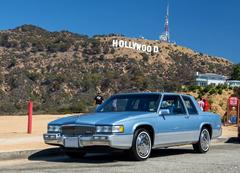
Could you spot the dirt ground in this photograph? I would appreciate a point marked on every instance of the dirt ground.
(13, 132)
(17, 125)
(14, 137)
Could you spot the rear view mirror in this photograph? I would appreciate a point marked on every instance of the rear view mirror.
(164, 112)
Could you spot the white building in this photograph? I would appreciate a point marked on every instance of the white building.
(210, 79)
(233, 83)
(215, 79)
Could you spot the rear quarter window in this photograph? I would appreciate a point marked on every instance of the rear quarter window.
(190, 105)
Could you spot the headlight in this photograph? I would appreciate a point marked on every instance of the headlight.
(117, 129)
(109, 129)
(53, 128)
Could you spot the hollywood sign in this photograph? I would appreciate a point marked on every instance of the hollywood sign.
(134, 45)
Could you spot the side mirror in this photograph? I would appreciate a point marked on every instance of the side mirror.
(164, 112)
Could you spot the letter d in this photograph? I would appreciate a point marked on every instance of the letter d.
(155, 49)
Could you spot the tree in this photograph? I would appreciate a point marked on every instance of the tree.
(236, 72)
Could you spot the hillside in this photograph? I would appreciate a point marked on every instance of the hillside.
(61, 71)
(218, 101)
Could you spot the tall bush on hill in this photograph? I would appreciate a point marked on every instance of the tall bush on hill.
(236, 72)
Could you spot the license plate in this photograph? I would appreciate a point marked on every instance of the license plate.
(71, 142)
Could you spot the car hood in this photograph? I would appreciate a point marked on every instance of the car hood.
(98, 118)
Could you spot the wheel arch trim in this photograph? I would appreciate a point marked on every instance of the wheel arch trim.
(208, 125)
(145, 124)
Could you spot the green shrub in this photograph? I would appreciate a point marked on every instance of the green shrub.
(23, 44)
(210, 101)
(213, 91)
(105, 49)
(4, 40)
(236, 72)
(32, 75)
(193, 88)
(145, 57)
(101, 58)
(237, 91)
(112, 51)
(207, 89)
(220, 91)
(120, 59)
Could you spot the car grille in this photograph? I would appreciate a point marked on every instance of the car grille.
(78, 130)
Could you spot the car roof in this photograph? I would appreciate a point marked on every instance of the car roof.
(152, 93)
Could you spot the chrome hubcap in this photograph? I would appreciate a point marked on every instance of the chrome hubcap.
(143, 145)
(205, 140)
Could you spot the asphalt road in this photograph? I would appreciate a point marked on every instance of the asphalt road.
(221, 158)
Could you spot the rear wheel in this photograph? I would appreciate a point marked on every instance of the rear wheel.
(203, 144)
(141, 146)
(74, 153)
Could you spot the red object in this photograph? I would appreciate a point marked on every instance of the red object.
(206, 106)
(233, 101)
(30, 110)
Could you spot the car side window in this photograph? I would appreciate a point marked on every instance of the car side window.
(190, 105)
(174, 104)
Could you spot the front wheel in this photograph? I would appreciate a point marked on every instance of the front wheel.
(141, 146)
(203, 144)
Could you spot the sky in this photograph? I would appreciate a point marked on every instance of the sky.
(207, 26)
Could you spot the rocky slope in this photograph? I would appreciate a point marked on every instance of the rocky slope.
(61, 71)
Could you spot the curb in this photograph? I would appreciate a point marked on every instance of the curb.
(31, 154)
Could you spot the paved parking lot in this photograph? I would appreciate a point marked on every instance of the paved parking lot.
(221, 158)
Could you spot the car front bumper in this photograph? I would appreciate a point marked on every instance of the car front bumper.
(118, 141)
(217, 132)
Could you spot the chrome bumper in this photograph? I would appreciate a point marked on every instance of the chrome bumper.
(53, 138)
(113, 141)
(217, 133)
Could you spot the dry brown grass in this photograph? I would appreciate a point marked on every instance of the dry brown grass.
(219, 104)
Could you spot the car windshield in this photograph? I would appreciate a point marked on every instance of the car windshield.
(131, 102)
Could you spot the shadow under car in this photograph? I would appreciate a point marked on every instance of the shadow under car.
(58, 155)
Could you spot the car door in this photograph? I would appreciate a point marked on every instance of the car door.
(173, 126)
(194, 118)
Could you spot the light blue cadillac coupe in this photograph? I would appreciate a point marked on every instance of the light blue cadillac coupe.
(137, 123)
